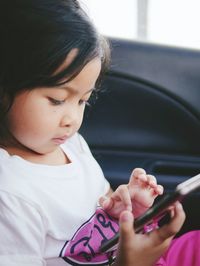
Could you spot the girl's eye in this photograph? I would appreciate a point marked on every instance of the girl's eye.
(56, 102)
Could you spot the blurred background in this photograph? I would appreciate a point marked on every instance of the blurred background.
(168, 22)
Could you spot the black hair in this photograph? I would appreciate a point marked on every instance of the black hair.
(36, 37)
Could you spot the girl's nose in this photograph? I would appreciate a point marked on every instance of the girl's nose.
(70, 119)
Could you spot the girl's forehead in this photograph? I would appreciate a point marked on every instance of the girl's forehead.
(87, 77)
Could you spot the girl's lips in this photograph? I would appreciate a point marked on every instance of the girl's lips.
(60, 140)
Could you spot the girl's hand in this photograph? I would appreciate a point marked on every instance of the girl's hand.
(146, 249)
(143, 189)
(137, 196)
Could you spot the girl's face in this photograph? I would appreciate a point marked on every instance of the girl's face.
(44, 118)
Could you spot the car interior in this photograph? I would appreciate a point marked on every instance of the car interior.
(147, 114)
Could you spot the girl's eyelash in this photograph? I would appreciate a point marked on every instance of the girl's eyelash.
(92, 99)
(55, 101)
(59, 102)
(86, 102)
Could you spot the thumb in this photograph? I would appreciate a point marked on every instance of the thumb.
(126, 227)
(124, 251)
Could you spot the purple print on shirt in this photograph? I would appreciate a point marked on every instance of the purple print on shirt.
(83, 248)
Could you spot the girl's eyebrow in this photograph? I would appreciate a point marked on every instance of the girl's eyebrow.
(75, 91)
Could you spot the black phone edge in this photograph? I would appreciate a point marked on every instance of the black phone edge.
(155, 211)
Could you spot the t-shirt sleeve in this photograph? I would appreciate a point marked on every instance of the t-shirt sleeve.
(22, 233)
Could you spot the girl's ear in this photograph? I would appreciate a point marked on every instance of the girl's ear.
(5, 103)
(5, 135)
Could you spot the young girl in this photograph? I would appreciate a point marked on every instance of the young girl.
(52, 206)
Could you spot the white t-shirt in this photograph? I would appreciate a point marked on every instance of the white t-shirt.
(49, 214)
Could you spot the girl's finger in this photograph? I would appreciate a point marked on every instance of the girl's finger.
(159, 189)
(169, 230)
(126, 226)
(137, 174)
(138, 171)
(122, 193)
(152, 181)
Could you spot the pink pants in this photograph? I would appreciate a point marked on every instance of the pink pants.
(183, 251)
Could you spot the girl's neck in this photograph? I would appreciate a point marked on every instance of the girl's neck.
(56, 157)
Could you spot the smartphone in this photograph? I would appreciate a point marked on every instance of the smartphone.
(158, 210)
